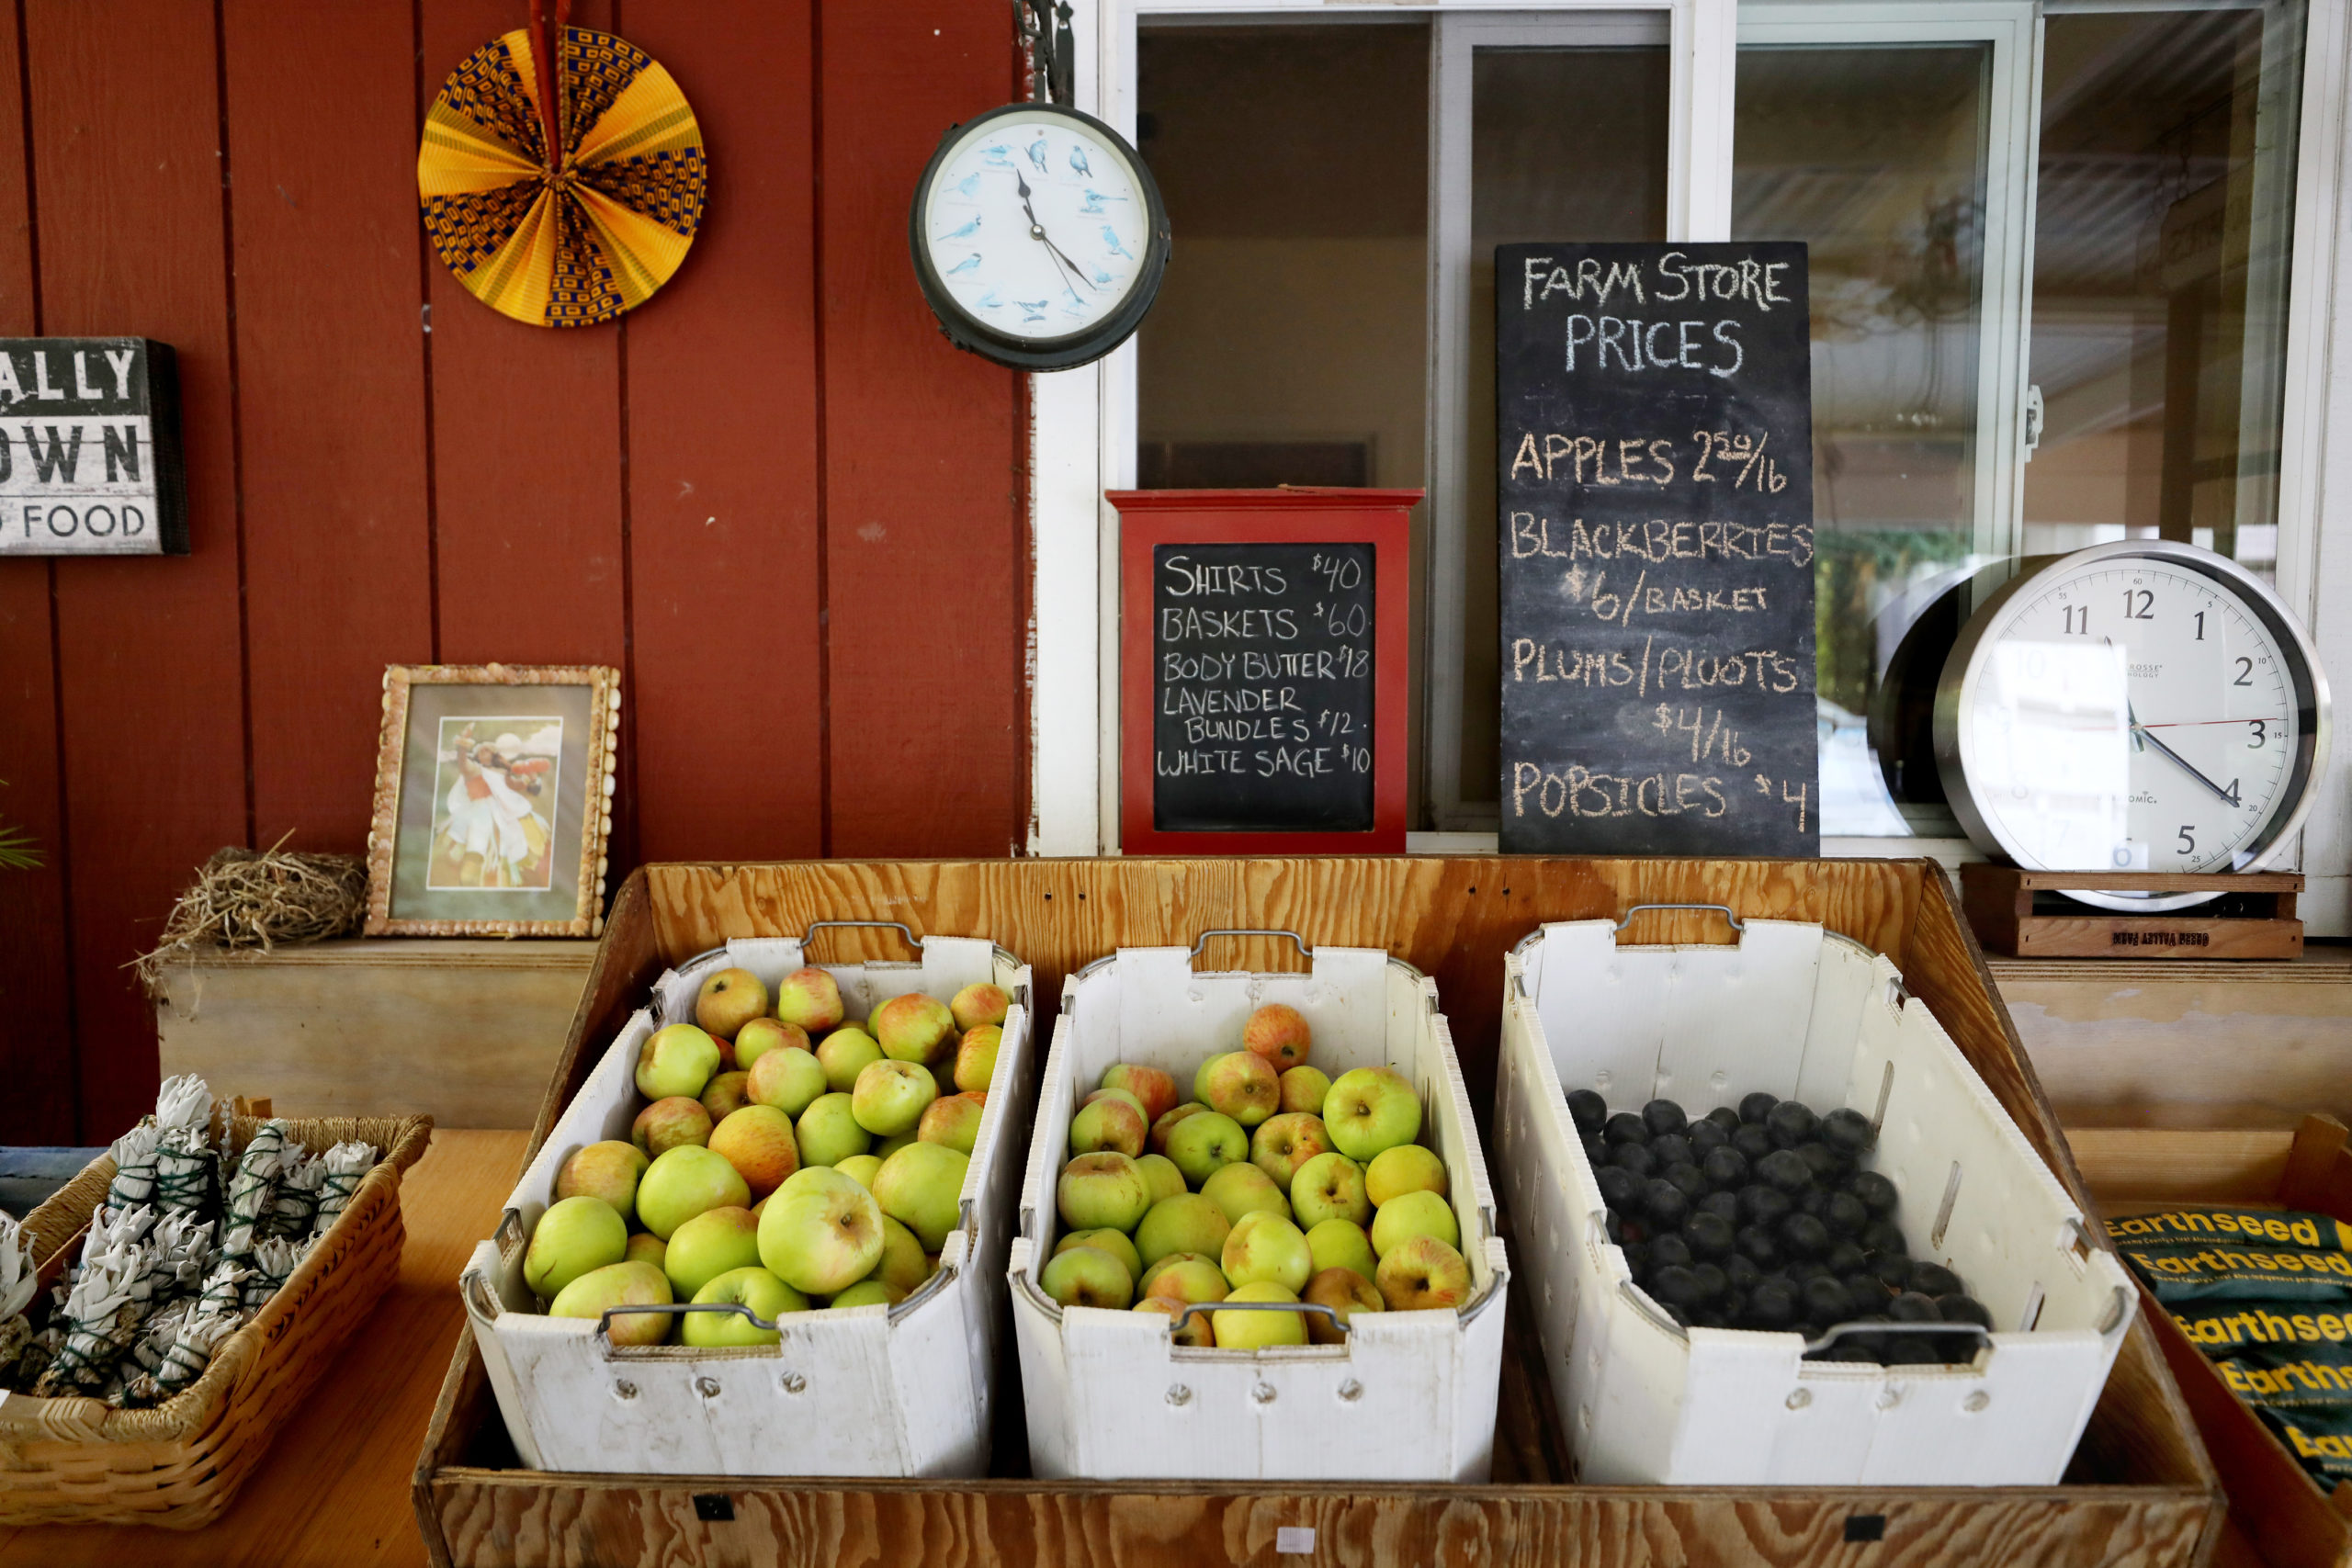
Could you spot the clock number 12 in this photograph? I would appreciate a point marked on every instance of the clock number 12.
(2139, 605)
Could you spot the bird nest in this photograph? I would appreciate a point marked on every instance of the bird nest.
(254, 900)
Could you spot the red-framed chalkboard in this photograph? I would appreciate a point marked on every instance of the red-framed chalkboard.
(1263, 668)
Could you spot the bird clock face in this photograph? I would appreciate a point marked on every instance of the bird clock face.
(1038, 236)
(2139, 707)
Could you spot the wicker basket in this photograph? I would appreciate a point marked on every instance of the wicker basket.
(179, 1464)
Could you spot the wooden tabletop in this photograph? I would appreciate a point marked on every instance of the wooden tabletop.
(334, 1488)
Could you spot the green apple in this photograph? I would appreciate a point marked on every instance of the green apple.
(610, 1170)
(1126, 1097)
(922, 1187)
(1190, 1222)
(845, 1053)
(575, 1237)
(1241, 1190)
(713, 1242)
(619, 1284)
(1205, 1143)
(762, 1035)
(1111, 1122)
(1330, 1187)
(809, 998)
(860, 1168)
(1341, 1244)
(676, 1060)
(1281, 1143)
(1423, 1274)
(828, 1132)
(869, 1293)
(903, 1265)
(1408, 1168)
(1304, 1089)
(976, 1058)
(1194, 1333)
(1115, 1243)
(1346, 1293)
(1240, 1086)
(979, 1004)
(1164, 1125)
(725, 1094)
(1166, 1180)
(727, 1000)
(894, 1143)
(1155, 1091)
(1258, 1330)
(1267, 1246)
(915, 1028)
(684, 1182)
(768, 1298)
(1277, 1035)
(1088, 1276)
(1185, 1277)
(820, 1231)
(670, 1123)
(891, 1097)
(787, 1078)
(644, 1247)
(1099, 1191)
(1411, 1214)
(953, 1120)
(1372, 1110)
(758, 1142)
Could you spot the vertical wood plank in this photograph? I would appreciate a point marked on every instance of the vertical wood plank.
(33, 992)
(925, 559)
(127, 177)
(722, 459)
(330, 397)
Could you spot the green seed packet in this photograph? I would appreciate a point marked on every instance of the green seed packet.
(2293, 1367)
(2207, 1254)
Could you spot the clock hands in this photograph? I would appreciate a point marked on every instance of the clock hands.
(2140, 734)
(1038, 233)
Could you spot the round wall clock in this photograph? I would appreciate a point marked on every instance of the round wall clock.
(1038, 236)
(2144, 705)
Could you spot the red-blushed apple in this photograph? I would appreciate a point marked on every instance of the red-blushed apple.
(1303, 1089)
(915, 1028)
(726, 1055)
(752, 1287)
(727, 1000)
(821, 1233)
(1281, 1143)
(1121, 1095)
(608, 1170)
(809, 998)
(1241, 1189)
(1115, 1243)
(786, 1077)
(1087, 1276)
(1423, 1274)
(1370, 1111)
(1101, 1191)
(953, 1120)
(1155, 1091)
(676, 1060)
(922, 1187)
(844, 1053)
(1240, 1086)
(1194, 1333)
(1155, 1279)
(1277, 1033)
(1410, 1214)
(1190, 1222)
(644, 1247)
(619, 1284)
(758, 1142)
(684, 1182)
(828, 1132)
(1330, 1187)
(1163, 1127)
(710, 1244)
(723, 1095)
(868, 1291)
(860, 1168)
(1111, 1122)
(1408, 1168)
(1204, 1143)
(1341, 1244)
(891, 1097)
(670, 1123)
(575, 1237)
(1267, 1246)
(762, 1035)
(1258, 1330)
(903, 1265)
(1166, 1180)
(977, 1004)
(976, 1058)
(1346, 1293)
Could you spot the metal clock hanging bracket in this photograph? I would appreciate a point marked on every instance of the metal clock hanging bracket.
(1044, 28)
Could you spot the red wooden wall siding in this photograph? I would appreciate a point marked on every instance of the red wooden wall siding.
(797, 527)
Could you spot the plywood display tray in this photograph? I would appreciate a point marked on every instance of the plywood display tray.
(2140, 1491)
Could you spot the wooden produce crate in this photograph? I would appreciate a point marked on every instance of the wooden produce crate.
(2140, 1490)
(2280, 1511)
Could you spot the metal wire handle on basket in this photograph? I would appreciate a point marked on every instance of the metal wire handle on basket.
(899, 926)
(1310, 1308)
(1724, 909)
(1296, 941)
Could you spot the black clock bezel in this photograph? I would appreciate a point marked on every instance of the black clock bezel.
(1069, 350)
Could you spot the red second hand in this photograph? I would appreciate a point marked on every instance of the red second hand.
(2192, 722)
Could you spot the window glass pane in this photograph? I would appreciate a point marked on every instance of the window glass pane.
(2162, 235)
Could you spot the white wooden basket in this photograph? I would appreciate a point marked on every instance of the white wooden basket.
(872, 1390)
(1410, 1395)
(1802, 1013)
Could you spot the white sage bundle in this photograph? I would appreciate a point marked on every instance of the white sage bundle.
(274, 1260)
(19, 1285)
(35, 1360)
(199, 1337)
(223, 1291)
(156, 1335)
(184, 1171)
(294, 1205)
(252, 1190)
(100, 1318)
(135, 1167)
(346, 1164)
(183, 1247)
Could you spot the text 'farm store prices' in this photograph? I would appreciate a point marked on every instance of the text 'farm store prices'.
(90, 458)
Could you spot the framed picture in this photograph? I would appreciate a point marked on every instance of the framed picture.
(493, 800)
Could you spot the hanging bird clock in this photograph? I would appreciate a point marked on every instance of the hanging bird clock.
(1038, 233)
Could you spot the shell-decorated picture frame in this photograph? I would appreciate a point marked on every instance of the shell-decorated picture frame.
(493, 800)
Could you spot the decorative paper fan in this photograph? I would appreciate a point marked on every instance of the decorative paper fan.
(575, 243)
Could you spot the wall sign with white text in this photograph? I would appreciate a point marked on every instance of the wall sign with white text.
(90, 460)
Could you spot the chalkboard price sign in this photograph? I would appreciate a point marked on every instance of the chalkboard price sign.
(1654, 436)
(1263, 668)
